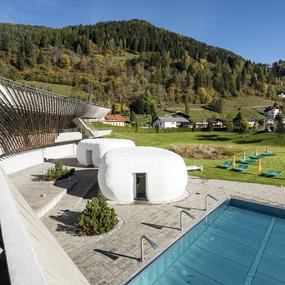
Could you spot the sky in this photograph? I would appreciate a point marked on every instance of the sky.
(253, 29)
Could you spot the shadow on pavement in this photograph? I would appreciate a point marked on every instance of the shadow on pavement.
(114, 255)
(159, 227)
(67, 222)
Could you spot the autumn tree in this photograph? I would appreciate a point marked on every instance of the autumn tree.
(237, 121)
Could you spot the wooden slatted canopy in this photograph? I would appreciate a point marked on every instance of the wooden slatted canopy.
(32, 118)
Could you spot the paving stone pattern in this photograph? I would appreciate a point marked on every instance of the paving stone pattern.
(112, 258)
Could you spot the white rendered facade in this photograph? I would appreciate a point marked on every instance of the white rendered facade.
(91, 151)
(164, 124)
(162, 173)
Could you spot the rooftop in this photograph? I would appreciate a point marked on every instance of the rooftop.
(173, 119)
(115, 118)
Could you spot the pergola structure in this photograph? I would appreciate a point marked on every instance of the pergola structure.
(31, 118)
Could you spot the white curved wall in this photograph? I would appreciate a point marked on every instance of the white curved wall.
(166, 175)
(91, 151)
(23, 160)
(33, 254)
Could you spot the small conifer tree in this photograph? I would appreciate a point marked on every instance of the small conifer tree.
(97, 218)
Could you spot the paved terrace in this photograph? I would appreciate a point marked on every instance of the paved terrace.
(112, 258)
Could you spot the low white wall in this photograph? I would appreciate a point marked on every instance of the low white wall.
(68, 136)
(33, 254)
(27, 159)
(59, 151)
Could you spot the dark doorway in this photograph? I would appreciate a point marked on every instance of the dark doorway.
(88, 157)
(141, 186)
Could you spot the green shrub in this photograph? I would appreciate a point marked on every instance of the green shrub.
(57, 172)
(97, 218)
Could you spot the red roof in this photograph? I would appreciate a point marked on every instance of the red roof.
(115, 118)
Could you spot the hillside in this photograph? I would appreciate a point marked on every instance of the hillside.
(119, 62)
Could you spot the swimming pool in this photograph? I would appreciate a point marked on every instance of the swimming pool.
(239, 242)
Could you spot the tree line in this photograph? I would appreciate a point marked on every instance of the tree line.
(121, 61)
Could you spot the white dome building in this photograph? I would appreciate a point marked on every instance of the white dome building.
(91, 151)
(144, 173)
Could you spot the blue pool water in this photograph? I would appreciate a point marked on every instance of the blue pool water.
(238, 243)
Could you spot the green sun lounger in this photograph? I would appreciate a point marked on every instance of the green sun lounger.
(240, 168)
(226, 165)
(275, 173)
(268, 153)
(266, 173)
(246, 160)
(255, 156)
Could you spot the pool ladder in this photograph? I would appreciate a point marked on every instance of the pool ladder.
(206, 200)
(152, 243)
(181, 221)
(192, 216)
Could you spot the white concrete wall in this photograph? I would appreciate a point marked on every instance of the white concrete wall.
(91, 151)
(27, 159)
(166, 175)
(60, 151)
(33, 254)
(69, 136)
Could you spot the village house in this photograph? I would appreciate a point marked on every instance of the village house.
(252, 122)
(201, 124)
(171, 122)
(271, 111)
(115, 120)
(217, 123)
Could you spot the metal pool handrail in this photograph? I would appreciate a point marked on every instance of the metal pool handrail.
(206, 200)
(181, 221)
(152, 243)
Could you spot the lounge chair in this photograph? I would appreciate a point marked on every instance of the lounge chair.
(246, 160)
(255, 156)
(268, 153)
(275, 173)
(240, 167)
(266, 173)
(226, 165)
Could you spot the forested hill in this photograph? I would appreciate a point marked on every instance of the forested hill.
(121, 61)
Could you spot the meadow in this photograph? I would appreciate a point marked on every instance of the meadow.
(238, 144)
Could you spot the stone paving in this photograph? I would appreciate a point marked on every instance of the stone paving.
(43, 196)
(112, 258)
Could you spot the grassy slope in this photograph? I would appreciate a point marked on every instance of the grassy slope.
(250, 143)
(243, 101)
(247, 105)
(55, 88)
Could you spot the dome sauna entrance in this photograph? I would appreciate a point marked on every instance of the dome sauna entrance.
(141, 186)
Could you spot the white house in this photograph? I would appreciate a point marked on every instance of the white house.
(142, 173)
(217, 123)
(115, 120)
(252, 122)
(201, 124)
(271, 111)
(171, 122)
(91, 151)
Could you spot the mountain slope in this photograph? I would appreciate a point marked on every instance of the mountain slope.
(124, 60)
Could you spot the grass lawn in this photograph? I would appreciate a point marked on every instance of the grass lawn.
(250, 144)
(65, 90)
